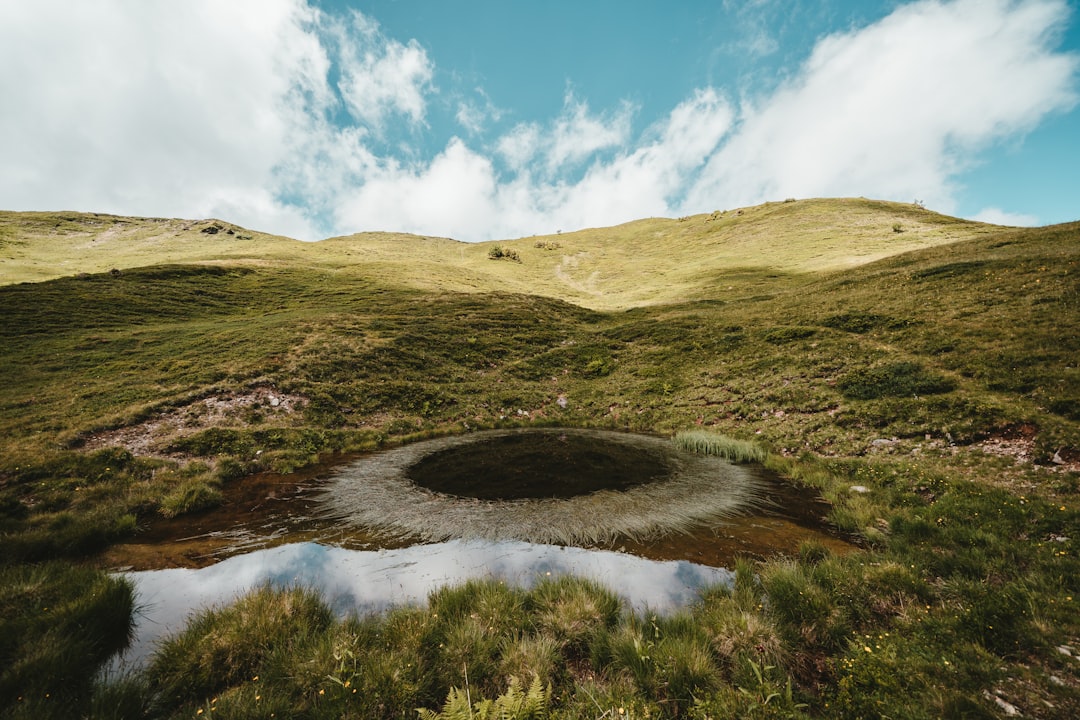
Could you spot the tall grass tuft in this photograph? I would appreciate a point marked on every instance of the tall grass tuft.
(732, 450)
(58, 625)
(225, 646)
(574, 611)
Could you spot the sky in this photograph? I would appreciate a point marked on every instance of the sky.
(496, 119)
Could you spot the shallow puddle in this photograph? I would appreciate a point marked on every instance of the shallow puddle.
(325, 527)
(268, 509)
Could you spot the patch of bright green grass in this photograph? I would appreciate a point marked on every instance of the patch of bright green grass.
(706, 443)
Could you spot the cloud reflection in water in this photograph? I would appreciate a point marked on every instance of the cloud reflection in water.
(373, 580)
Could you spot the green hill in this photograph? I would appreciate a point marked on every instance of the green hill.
(930, 360)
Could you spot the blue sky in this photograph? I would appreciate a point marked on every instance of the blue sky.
(486, 119)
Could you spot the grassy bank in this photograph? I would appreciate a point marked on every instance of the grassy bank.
(933, 369)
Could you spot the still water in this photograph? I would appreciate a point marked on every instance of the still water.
(372, 580)
(318, 528)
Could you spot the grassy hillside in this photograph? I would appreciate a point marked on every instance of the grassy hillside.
(930, 360)
(639, 263)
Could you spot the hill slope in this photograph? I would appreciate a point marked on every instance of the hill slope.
(925, 380)
(642, 262)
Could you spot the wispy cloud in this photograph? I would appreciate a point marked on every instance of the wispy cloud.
(462, 194)
(473, 114)
(896, 109)
(997, 216)
(381, 76)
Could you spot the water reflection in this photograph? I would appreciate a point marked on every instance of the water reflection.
(373, 580)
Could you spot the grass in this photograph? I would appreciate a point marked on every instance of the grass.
(933, 368)
(732, 450)
(58, 625)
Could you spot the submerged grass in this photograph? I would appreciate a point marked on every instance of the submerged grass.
(934, 370)
(376, 493)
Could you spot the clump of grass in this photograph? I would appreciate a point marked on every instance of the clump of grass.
(574, 612)
(192, 495)
(532, 655)
(66, 534)
(59, 623)
(731, 449)
(228, 646)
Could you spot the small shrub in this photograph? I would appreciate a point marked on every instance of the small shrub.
(782, 335)
(498, 252)
(897, 228)
(901, 379)
(861, 322)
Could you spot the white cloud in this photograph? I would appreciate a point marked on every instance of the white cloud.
(997, 216)
(194, 110)
(474, 114)
(577, 135)
(380, 75)
(447, 197)
(894, 110)
(155, 108)
(461, 194)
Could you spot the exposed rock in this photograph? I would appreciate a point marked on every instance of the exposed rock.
(148, 437)
(859, 489)
(1008, 708)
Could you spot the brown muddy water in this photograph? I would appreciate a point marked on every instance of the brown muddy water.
(370, 531)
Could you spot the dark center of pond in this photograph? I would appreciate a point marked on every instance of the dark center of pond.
(536, 465)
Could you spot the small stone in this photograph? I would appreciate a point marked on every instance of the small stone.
(1065, 650)
(1008, 708)
(1057, 459)
(274, 401)
(562, 402)
(859, 489)
(1055, 680)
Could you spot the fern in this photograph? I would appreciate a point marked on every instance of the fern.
(514, 704)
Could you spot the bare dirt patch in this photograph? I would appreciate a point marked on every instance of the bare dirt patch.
(150, 437)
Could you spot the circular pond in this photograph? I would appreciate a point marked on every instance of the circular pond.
(547, 486)
(541, 464)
